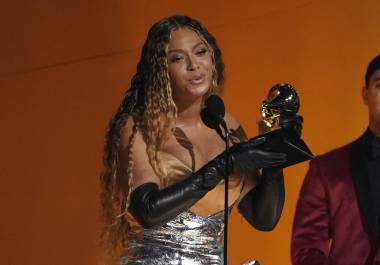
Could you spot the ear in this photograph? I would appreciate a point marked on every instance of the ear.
(365, 95)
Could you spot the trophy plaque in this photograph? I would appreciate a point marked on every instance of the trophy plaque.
(281, 103)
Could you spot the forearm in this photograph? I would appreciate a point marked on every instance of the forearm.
(153, 207)
(262, 206)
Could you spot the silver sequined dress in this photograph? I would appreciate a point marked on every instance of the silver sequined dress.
(189, 239)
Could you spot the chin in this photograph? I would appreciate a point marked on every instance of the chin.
(199, 91)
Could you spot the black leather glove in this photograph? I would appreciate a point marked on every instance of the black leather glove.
(262, 206)
(247, 157)
(151, 206)
(292, 123)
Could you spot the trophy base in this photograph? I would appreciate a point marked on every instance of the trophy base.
(284, 141)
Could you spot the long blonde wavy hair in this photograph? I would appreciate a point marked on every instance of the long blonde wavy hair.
(148, 98)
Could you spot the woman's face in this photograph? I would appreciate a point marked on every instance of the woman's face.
(189, 65)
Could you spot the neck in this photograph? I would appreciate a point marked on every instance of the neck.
(374, 126)
(375, 129)
(190, 114)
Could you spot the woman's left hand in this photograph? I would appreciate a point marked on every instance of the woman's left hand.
(292, 122)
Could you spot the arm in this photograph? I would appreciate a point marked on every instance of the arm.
(262, 205)
(152, 206)
(311, 234)
(262, 202)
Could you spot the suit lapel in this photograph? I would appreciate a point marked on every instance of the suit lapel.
(359, 170)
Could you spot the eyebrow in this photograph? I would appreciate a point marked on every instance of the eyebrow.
(194, 47)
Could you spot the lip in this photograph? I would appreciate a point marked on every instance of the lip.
(197, 79)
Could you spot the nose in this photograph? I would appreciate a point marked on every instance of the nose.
(192, 63)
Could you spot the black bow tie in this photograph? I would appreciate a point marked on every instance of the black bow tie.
(376, 146)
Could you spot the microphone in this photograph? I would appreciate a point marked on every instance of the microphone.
(213, 114)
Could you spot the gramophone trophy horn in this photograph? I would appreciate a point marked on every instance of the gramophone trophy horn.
(282, 101)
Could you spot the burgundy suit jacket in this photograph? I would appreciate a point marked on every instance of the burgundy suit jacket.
(334, 222)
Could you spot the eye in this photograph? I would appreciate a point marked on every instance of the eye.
(375, 84)
(176, 58)
(201, 51)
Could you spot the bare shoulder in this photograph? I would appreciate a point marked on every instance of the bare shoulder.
(142, 169)
(236, 129)
(126, 132)
(231, 121)
(129, 133)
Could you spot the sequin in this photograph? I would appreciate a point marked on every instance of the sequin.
(188, 239)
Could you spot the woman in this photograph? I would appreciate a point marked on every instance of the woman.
(162, 189)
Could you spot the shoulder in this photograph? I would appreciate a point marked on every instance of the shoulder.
(134, 148)
(231, 121)
(236, 130)
(334, 156)
(128, 131)
(331, 165)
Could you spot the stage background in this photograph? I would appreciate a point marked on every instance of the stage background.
(64, 66)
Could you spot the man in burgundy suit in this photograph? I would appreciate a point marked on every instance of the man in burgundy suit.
(337, 220)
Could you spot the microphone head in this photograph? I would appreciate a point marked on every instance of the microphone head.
(213, 112)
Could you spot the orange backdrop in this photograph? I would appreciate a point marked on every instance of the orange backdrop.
(65, 64)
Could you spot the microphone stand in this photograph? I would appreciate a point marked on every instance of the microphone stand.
(213, 117)
(226, 139)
